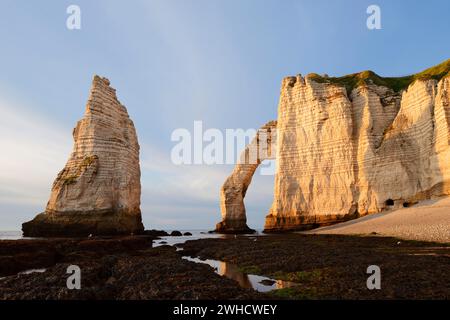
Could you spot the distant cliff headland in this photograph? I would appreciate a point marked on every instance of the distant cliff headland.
(350, 146)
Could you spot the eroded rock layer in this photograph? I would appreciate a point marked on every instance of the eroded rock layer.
(233, 191)
(98, 191)
(340, 155)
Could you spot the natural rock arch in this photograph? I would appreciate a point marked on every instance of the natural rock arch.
(351, 146)
(233, 191)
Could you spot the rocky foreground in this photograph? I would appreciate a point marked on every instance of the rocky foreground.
(334, 267)
(323, 266)
(114, 268)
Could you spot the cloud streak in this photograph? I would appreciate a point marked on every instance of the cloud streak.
(32, 148)
(192, 192)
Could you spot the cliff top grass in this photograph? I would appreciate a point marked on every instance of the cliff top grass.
(395, 83)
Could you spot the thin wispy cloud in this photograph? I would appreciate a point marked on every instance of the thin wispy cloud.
(32, 147)
(192, 192)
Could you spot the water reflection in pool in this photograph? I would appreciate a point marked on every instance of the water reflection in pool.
(251, 281)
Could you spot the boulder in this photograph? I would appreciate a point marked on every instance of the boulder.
(156, 233)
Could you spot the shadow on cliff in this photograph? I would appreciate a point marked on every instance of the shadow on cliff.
(417, 160)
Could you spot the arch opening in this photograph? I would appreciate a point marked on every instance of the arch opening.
(259, 197)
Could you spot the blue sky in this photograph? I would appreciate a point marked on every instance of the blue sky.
(176, 61)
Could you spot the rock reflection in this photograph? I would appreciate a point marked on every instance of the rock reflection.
(251, 281)
(232, 272)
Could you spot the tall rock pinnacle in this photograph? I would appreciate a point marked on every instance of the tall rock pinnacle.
(98, 191)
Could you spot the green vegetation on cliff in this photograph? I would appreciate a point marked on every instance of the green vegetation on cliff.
(395, 83)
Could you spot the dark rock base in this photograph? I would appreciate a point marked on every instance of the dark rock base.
(277, 224)
(233, 227)
(82, 224)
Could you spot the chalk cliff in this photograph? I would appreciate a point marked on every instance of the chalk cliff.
(98, 191)
(359, 144)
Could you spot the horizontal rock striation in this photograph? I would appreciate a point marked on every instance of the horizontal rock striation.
(340, 155)
(98, 191)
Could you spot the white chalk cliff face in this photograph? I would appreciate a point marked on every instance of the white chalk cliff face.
(340, 155)
(98, 191)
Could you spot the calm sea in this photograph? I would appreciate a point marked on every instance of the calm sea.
(10, 235)
(196, 234)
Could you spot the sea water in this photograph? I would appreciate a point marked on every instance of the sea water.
(10, 235)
